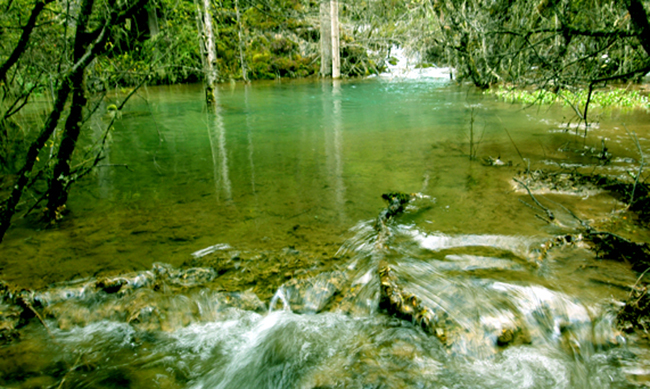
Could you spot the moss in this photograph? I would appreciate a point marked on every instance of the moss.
(276, 44)
(283, 45)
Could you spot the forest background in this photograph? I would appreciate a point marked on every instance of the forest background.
(60, 58)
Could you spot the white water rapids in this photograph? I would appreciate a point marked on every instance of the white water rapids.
(167, 328)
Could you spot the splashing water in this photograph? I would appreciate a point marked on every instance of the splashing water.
(404, 66)
(508, 325)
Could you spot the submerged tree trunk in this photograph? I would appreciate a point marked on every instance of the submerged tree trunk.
(59, 182)
(336, 55)
(325, 38)
(61, 179)
(204, 21)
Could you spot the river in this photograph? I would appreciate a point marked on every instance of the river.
(238, 248)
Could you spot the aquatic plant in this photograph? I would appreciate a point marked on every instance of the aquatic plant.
(614, 98)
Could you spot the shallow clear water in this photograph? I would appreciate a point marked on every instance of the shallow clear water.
(296, 165)
(284, 182)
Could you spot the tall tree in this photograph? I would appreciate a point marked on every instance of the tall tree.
(208, 49)
(329, 39)
(336, 54)
(325, 38)
(57, 192)
(240, 40)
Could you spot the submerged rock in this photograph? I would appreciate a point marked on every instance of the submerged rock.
(310, 295)
(11, 315)
(397, 202)
(434, 320)
(569, 183)
(9, 322)
(188, 278)
(612, 246)
(396, 302)
(496, 162)
(247, 301)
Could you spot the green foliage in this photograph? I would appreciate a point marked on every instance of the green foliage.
(34, 75)
(615, 98)
(172, 56)
(278, 38)
(355, 60)
(275, 41)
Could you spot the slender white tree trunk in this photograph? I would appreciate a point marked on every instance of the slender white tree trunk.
(208, 49)
(325, 38)
(336, 55)
(241, 42)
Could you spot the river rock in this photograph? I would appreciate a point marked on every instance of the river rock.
(310, 295)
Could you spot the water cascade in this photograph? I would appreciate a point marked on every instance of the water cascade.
(408, 309)
(404, 65)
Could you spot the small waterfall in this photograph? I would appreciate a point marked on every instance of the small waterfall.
(404, 65)
(495, 321)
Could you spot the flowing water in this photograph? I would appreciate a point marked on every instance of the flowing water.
(239, 248)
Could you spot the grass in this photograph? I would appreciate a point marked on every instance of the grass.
(615, 98)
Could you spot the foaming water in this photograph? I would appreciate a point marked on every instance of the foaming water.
(504, 326)
(405, 68)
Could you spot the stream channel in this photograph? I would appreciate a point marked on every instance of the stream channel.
(239, 249)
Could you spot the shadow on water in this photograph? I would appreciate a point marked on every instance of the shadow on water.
(226, 260)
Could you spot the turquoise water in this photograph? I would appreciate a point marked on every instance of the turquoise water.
(281, 165)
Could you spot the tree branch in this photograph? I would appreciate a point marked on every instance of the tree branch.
(570, 31)
(24, 38)
(8, 207)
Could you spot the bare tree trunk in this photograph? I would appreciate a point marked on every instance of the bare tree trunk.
(336, 55)
(325, 38)
(58, 189)
(639, 18)
(8, 207)
(241, 42)
(204, 21)
(152, 21)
